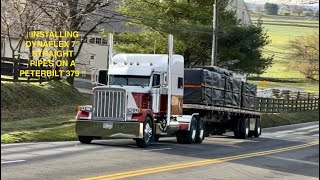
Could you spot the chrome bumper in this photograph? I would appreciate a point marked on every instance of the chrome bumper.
(109, 129)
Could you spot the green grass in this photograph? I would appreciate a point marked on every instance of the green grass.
(61, 133)
(34, 112)
(280, 33)
(55, 128)
(273, 120)
(37, 123)
(22, 100)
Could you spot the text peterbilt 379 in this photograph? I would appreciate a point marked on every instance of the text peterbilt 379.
(144, 100)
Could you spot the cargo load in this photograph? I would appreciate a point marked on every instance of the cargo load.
(216, 87)
(248, 95)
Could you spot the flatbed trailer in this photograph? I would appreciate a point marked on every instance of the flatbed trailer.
(144, 100)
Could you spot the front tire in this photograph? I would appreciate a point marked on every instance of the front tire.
(85, 139)
(147, 134)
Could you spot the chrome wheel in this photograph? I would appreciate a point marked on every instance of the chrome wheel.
(194, 134)
(147, 132)
(247, 131)
(201, 133)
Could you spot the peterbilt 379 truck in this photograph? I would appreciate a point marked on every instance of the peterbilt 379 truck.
(149, 96)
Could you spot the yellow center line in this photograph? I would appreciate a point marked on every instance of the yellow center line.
(196, 163)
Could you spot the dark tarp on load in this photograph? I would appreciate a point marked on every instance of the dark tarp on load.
(249, 89)
(209, 87)
(249, 92)
(218, 70)
(203, 87)
(248, 102)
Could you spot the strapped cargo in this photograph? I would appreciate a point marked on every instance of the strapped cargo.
(216, 87)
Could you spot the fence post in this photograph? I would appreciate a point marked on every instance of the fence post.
(308, 101)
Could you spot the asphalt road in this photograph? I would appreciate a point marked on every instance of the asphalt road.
(289, 152)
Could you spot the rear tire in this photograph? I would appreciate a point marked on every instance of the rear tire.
(189, 137)
(244, 128)
(200, 132)
(85, 139)
(236, 129)
(147, 134)
(257, 131)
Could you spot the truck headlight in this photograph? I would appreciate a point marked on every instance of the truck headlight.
(133, 110)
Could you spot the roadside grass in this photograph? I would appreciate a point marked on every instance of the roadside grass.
(273, 120)
(62, 133)
(37, 123)
(55, 128)
(22, 100)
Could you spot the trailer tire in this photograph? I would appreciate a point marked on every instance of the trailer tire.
(200, 132)
(147, 134)
(189, 137)
(257, 131)
(236, 129)
(244, 129)
(85, 139)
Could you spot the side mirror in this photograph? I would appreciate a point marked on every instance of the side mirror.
(165, 79)
(156, 81)
(103, 77)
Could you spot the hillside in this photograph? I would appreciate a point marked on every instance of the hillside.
(281, 30)
(22, 100)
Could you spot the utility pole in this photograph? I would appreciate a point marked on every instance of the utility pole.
(214, 44)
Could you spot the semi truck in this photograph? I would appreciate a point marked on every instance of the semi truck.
(149, 96)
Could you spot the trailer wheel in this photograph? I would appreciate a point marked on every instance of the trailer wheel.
(85, 139)
(236, 129)
(200, 132)
(147, 134)
(257, 131)
(244, 128)
(189, 137)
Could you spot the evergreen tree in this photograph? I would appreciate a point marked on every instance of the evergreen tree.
(239, 48)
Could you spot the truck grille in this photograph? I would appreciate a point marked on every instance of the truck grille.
(109, 104)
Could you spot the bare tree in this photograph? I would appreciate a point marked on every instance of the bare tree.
(305, 53)
(77, 15)
(17, 19)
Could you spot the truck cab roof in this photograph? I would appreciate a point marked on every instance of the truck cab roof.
(143, 64)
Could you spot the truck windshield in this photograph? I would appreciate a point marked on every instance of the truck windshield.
(130, 80)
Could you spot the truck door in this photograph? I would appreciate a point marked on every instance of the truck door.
(155, 93)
